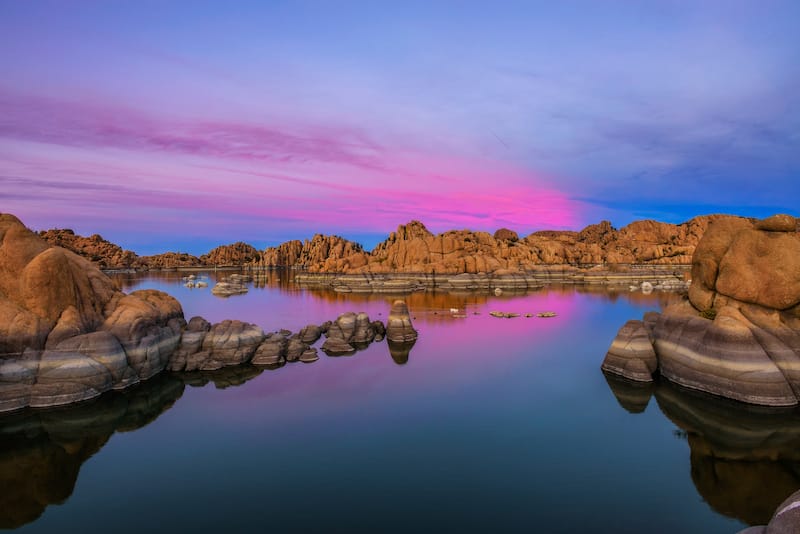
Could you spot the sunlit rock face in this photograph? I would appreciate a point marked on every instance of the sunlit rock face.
(737, 334)
(412, 248)
(67, 334)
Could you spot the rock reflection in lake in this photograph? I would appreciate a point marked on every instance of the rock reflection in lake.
(745, 460)
(41, 452)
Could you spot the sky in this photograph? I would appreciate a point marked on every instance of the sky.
(170, 125)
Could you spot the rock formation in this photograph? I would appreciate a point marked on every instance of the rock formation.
(398, 327)
(319, 250)
(414, 249)
(170, 260)
(66, 332)
(737, 334)
(94, 248)
(237, 253)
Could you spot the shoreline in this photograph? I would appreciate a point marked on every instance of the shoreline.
(671, 277)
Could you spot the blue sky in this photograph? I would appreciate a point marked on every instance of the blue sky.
(189, 124)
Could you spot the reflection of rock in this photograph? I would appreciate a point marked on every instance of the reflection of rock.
(738, 334)
(745, 459)
(41, 452)
(398, 327)
(399, 351)
(631, 395)
(231, 376)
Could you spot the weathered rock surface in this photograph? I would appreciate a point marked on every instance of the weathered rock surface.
(66, 332)
(631, 354)
(319, 250)
(272, 350)
(398, 327)
(237, 253)
(94, 248)
(170, 260)
(738, 334)
(224, 344)
(413, 249)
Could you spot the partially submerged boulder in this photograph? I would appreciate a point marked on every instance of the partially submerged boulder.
(398, 327)
(738, 334)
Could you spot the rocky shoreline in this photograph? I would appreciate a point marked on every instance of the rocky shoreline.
(67, 334)
(670, 278)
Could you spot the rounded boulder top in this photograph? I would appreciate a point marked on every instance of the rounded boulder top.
(777, 223)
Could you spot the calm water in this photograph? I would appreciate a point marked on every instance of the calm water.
(490, 425)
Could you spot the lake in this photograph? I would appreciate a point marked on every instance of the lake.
(488, 425)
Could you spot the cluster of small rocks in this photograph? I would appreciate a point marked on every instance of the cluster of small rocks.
(207, 347)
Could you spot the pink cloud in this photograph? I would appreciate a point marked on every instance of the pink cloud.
(312, 178)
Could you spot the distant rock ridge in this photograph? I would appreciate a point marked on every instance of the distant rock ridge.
(321, 251)
(102, 253)
(412, 248)
(737, 334)
(109, 256)
(67, 334)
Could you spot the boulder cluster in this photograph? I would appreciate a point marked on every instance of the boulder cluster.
(68, 334)
(414, 249)
(737, 334)
(107, 255)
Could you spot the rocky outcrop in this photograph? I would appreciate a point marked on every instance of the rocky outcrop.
(414, 249)
(94, 248)
(234, 254)
(737, 334)
(170, 260)
(207, 347)
(66, 332)
(320, 250)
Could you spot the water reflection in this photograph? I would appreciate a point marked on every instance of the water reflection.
(41, 452)
(282, 280)
(745, 460)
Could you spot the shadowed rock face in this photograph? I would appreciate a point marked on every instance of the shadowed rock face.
(738, 333)
(745, 460)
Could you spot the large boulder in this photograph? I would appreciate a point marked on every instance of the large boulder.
(66, 332)
(224, 344)
(148, 324)
(631, 354)
(738, 334)
(272, 350)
